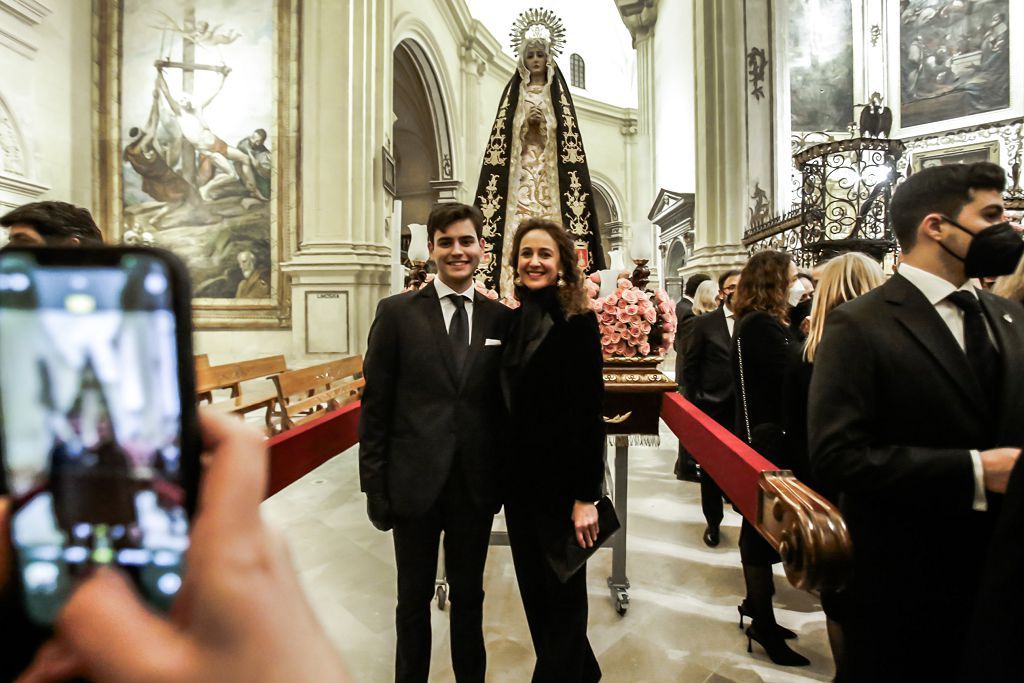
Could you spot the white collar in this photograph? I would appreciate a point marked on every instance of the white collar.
(727, 311)
(934, 288)
(444, 290)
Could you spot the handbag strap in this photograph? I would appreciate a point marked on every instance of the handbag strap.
(743, 386)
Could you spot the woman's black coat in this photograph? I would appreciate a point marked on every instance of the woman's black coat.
(552, 382)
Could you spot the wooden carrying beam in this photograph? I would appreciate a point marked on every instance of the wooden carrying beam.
(806, 529)
(300, 450)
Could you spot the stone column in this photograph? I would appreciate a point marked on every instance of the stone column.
(720, 214)
(341, 266)
(640, 17)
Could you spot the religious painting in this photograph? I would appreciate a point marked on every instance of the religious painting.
(954, 59)
(819, 56)
(960, 154)
(200, 150)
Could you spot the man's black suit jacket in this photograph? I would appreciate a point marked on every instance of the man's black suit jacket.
(417, 414)
(894, 411)
(707, 375)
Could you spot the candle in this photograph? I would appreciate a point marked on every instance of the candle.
(640, 246)
(418, 252)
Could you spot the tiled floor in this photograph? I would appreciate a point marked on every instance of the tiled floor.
(681, 625)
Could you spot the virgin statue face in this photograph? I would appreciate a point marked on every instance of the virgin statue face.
(536, 59)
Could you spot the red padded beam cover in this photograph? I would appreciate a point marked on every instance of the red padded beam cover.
(302, 449)
(734, 465)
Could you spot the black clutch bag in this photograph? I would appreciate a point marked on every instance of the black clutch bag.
(565, 556)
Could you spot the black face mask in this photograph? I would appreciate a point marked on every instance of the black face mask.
(995, 250)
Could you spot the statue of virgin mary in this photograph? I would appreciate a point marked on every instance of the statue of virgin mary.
(534, 163)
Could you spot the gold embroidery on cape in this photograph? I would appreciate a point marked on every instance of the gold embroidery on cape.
(490, 207)
(577, 218)
(572, 147)
(497, 146)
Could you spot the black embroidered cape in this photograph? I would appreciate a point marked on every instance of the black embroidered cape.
(576, 199)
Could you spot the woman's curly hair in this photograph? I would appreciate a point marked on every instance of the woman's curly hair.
(764, 286)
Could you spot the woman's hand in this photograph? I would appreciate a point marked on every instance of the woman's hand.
(584, 517)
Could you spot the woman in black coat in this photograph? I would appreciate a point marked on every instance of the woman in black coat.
(552, 382)
(760, 351)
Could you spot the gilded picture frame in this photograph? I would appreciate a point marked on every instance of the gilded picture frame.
(969, 154)
(214, 180)
(951, 83)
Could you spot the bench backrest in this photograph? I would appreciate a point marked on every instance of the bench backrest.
(231, 375)
(318, 388)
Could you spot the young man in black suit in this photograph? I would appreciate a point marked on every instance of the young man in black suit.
(429, 441)
(686, 467)
(707, 384)
(915, 419)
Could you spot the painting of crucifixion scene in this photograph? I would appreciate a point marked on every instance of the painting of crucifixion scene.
(197, 118)
(954, 59)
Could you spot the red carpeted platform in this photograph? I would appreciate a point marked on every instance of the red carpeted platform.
(300, 450)
(734, 465)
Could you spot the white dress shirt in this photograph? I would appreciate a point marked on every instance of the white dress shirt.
(937, 291)
(448, 306)
(730, 318)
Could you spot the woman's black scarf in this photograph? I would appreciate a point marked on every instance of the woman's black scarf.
(575, 195)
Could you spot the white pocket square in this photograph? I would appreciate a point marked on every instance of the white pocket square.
(492, 342)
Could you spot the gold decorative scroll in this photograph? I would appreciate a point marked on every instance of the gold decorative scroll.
(497, 145)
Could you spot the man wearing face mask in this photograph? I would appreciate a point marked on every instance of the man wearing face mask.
(915, 419)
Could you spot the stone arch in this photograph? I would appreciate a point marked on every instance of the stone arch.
(415, 50)
(675, 260)
(13, 158)
(609, 212)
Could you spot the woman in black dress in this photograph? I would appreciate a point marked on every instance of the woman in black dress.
(760, 349)
(552, 383)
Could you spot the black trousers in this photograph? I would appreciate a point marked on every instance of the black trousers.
(467, 531)
(556, 612)
(711, 500)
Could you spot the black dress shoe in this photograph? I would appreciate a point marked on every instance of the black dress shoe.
(775, 647)
(711, 537)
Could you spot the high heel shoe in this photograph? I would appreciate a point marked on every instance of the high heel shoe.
(775, 647)
(783, 632)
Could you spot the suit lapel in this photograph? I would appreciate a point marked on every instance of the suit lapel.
(921, 319)
(1008, 333)
(531, 348)
(482, 316)
(722, 329)
(435, 321)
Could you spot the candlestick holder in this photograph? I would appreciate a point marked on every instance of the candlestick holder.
(641, 274)
(417, 274)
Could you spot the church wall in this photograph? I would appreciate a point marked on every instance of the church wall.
(45, 85)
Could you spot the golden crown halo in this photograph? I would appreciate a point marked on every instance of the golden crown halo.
(538, 24)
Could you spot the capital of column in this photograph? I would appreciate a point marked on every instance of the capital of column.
(447, 190)
(639, 16)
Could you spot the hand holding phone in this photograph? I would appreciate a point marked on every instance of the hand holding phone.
(98, 437)
(241, 613)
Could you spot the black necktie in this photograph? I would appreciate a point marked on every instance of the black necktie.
(981, 352)
(458, 332)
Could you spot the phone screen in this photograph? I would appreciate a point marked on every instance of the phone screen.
(91, 432)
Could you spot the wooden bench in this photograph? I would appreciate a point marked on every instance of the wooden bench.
(308, 393)
(231, 376)
(202, 362)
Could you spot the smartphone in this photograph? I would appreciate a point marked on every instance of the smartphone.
(99, 439)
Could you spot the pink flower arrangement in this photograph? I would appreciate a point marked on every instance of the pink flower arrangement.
(634, 323)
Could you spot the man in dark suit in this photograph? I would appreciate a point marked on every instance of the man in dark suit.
(429, 435)
(707, 383)
(915, 420)
(685, 468)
